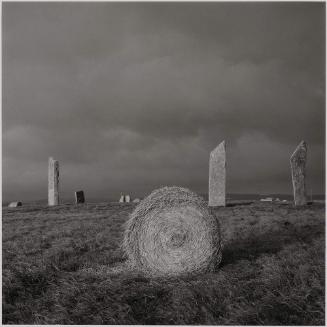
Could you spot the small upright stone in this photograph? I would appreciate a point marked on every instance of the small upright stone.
(15, 204)
(217, 176)
(298, 163)
(79, 197)
(53, 182)
(127, 198)
(122, 198)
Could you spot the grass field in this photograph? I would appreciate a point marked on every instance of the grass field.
(59, 268)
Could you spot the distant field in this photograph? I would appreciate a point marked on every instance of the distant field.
(230, 197)
(57, 269)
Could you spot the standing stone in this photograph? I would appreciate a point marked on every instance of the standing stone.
(122, 198)
(127, 198)
(298, 162)
(15, 204)
(79, 197)
(217, 176)
(53, 182)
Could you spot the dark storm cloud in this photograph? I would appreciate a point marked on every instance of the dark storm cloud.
(134, 95)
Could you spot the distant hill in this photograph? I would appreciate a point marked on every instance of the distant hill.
(232, 196)
(241, 196)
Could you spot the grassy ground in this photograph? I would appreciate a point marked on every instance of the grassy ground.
(55, 269)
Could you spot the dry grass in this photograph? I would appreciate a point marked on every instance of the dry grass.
(172, 232)
(55, 269)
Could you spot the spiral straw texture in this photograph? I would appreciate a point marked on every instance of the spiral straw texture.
(171, 232)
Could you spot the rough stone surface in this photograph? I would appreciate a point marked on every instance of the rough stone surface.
(127, 198)
(53, 182)
(15, 204)
(136, 200)
(298, 163)
(217, 176)
(79, 197)
(122, 198)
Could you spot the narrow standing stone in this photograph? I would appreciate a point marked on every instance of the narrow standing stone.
(53, 182)
(79, 197)
(122, 198)
(217, 176)
(298, 162)
(127, 198)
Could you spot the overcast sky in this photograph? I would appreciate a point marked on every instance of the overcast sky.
(132, 96)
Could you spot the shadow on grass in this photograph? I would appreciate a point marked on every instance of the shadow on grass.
(269, 243)
(234, 204)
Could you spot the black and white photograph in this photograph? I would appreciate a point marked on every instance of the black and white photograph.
(163, 163)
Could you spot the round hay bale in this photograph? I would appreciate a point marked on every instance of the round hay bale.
(171, 232)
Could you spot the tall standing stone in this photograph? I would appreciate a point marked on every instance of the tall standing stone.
(53, 182)
(298, 162)
(217, 176)
(79, 197)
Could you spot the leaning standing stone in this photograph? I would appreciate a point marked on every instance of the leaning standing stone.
(53, 182)
(217, 176)
(79, 197)
(298, 162)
